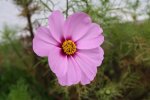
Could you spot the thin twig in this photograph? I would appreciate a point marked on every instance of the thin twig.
(67, 7)
(46, 5)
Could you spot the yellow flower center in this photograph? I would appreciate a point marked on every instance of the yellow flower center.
(69, 47)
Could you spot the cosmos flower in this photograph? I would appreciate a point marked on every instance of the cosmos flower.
(72, 47)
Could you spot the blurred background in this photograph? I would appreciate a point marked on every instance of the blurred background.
(123, 75)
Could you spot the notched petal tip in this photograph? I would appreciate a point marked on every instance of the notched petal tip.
(101, 39)
(76, 25)
(86, 18)
(99, 28)
(55, 14)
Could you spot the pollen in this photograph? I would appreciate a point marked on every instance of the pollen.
(69, 47)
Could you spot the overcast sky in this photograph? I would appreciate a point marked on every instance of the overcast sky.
(9, 13)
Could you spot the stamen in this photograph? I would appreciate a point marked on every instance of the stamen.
(69, 47)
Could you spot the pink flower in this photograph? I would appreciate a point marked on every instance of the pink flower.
(72, 47)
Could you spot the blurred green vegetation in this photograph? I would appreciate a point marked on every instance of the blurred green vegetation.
(123, 75)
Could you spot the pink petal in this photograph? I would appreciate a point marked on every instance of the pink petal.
(76, 25)
(73, 75)
(56, 22)
(92, 39)
(90, 59)
(94, 56)
(88, 68)
(43, 41)
(57, 62)
(44, 34)
(84, 79)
